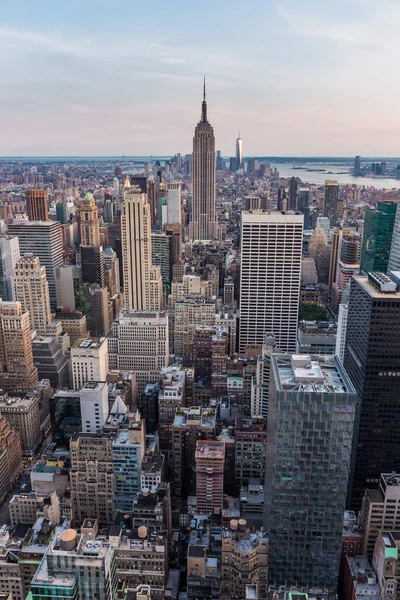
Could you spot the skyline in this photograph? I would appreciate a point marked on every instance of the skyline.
(126, 80)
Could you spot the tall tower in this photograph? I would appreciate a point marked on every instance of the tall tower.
(239, 152)
(203, 225)
(89, 222)
(142, 285)
(32, 290)
(36, 205)
(377, 238)
(18, 374)
(210, 463)
(331, 201)
(270, 278)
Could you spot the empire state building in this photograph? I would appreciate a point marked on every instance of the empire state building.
(203, 225)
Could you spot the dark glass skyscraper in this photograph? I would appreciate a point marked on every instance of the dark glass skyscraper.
(331, 201)
(377, 238)
(372, 360)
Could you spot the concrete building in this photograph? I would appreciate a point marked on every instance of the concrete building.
(89, 222)
(89, 361)
(74, 324)
(244, 561)
(316, 337)
(152, 471)
(32, 290)
(137, 253)
(203, 225)
(36, 205)
(44, 240)
(170, 397)
(23, 413)
(210, 462)
(26, 508)
(385, 563)
(92, 478)
(138, 341)
(51, 361)
(192, 311)
(9, 255)
(94, 406)
(174, 213)
(18, 373)
(271, 248)
(311, 414)
(128, 448)
(250, 449)
(261, 380)
(77, 565)
(10, 456)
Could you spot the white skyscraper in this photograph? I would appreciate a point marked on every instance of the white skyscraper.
(174, 212)
(142, 284)
(32, 290)
(270, 278)
(9, 255)
(203, 225)
(94, 406)
(89, 361)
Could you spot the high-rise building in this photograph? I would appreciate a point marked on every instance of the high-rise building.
(192, 311)
(9, 255)
(129, 447)
(239, 152)
(89, 361)
(92, 478)
(377, 237)
(371, 360)
(10, 456)
(331, 201)
(261, 381)
(17, 373)
(304, 205)
(62, 213)
(23, 413)
(89, 222)
(94, 406)
(293, 187)
(174, 212)
(36, 205)
(137, 253)
(203, 225)
(138, 341)
(347, 266)
(32, 290)
(210, 463)
(270, 278)
(44, 240)
(394, 258)
(311, 414)
(357, 166)
(101, 315)
(160, 248)
(92, 264)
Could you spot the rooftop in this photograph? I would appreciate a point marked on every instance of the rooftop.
(210, 449)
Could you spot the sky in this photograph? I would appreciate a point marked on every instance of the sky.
(123, 77)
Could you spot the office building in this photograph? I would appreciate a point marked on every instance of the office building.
(250, 449)
(94, 406)
(44, 240)
(36, 205)
(26, 508)
(89, 361)
(51, 360)
(32, 291)
(160, 248)
(261, 380)
(203, 225)
(89, 222)
(394, 257)
(311, 415)
(9, 256)
(128, 448)
(271, 248)
(357, 166)
(23, 414)
(293, 187)
(371, 359)
(348, 264)
(10, 456)
(380, 510)
(138, 341)
(111, 264)
(74, 324)
(139, 292)
(331, 201)
(193, 311)
(239, 153)
(244, 561)
(72, 292)
(92, 265)
(18, 373)
(92, 478)
(101, 311)
(62, 213)
(77, 566)
(304, 205)
(377, 237)
(210, 462)
(174, 213)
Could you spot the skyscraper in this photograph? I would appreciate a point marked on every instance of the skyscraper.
(270, 278)
(394, 257)
(210, 462)
(43, 239)
(239, 152)
(311, 414)
(331, 201)
(36, 205)
(17, 373)
(377, 238)
(137, 253)
(357, 166)
(293, 185)
(174, 212)
(89, 222)
(32, 290)
(9, 255)
(371, 359)
(304, 205)
(203, 224)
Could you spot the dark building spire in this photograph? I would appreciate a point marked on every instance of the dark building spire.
(204, 104)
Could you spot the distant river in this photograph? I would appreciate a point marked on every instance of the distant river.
(286, 170)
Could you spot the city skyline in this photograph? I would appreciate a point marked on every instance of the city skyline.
(299, 82)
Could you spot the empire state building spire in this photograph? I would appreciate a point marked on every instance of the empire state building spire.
(203, 225)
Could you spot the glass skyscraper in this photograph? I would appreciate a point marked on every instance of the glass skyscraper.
(377, 238)
(311, 412)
